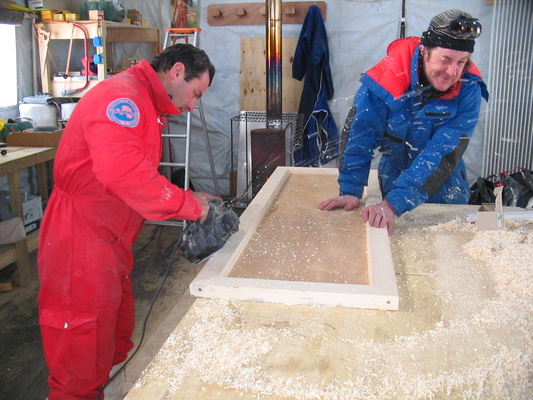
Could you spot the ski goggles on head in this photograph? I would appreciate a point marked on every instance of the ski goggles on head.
(466, 28)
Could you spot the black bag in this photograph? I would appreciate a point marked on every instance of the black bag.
(482, 191)
(517, 188)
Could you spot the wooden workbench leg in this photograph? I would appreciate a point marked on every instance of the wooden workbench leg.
(21, 247)
(42, 181)
(23, 262)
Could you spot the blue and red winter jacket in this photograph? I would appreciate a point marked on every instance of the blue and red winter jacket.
(421, 139)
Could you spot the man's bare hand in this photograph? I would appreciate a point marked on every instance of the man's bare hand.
(347, 202)
(203, 199)
(380, 215)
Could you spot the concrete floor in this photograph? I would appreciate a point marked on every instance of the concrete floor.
(23, 371)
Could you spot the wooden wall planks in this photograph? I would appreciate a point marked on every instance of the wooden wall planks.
(253, 75)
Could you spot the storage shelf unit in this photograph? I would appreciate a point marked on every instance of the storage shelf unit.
(109, 32)
(17, 159)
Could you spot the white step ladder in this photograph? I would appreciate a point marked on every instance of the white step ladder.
(173, 36)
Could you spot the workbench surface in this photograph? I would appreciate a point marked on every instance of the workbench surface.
(18, 158)
(463, 329)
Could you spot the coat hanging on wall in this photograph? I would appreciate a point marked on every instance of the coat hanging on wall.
(311, 59)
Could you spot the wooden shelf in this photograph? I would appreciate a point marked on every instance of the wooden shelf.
(110, 32)
(17, 159)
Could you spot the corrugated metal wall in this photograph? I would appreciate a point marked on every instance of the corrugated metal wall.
(509, 128)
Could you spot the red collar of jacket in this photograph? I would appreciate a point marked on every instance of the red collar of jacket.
(149, 79)
(393, 72)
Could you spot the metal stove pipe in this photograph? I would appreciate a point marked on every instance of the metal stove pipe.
(273, 64)
(268, 144)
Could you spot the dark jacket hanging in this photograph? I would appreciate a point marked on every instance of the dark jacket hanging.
(311, 59)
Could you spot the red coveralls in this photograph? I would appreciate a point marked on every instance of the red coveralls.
(106, 185)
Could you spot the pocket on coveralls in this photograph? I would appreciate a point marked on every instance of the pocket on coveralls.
(69, 342)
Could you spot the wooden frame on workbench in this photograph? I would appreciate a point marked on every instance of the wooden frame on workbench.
(214, 281)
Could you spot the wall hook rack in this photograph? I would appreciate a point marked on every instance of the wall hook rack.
(255, 13)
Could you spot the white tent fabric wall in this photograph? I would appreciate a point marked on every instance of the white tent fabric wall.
(358, 31)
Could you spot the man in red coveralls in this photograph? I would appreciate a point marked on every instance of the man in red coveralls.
(106, 184)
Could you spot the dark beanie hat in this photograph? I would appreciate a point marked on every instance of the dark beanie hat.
(440, 35)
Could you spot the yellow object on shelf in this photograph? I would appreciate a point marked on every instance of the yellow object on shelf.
(47, 15)
(72, 16)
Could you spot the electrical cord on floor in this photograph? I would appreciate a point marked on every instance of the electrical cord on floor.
(176, 247)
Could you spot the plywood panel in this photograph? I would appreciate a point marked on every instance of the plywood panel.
(296, 241)
(253, 75)
(327, 277)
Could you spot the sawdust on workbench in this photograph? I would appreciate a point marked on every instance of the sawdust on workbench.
(475, 349)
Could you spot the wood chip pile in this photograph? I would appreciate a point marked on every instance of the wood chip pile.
(464, 331)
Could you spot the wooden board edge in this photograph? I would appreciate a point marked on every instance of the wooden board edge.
(292, 293)
(381, 267)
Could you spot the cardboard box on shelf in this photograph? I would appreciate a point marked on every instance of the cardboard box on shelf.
(96, 15)
(64, 15)
(47, 15)
(29, 138)
(32, 226)
(59, 16)
(31, 208)
(72, 17)
(110, 12)
(134, 15)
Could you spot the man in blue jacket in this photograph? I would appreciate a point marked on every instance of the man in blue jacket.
(419, 106)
